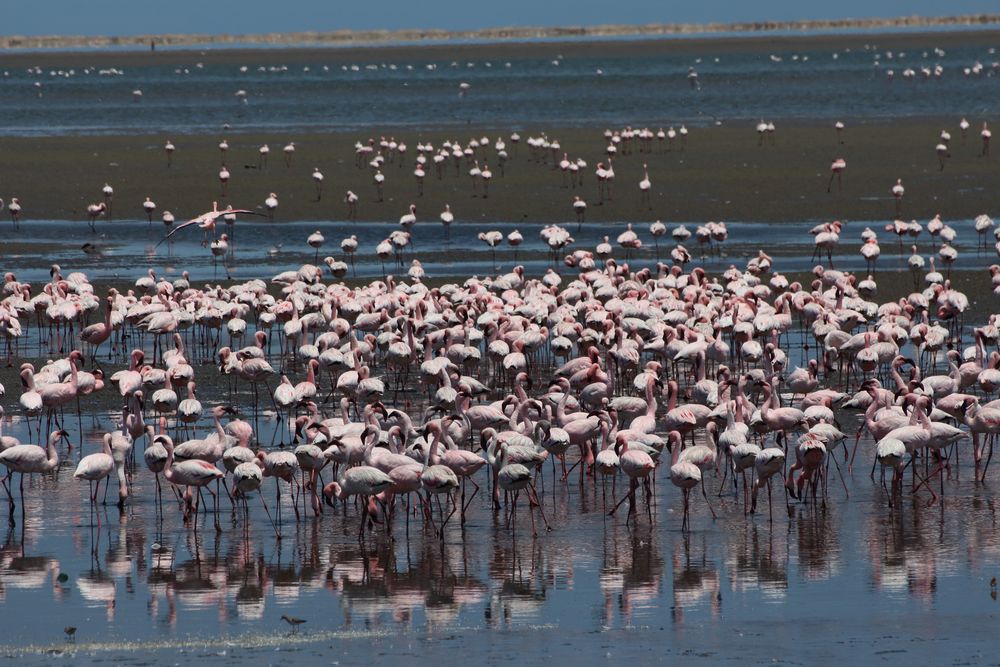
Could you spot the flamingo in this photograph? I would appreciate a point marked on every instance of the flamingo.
(96, 467)
(193, 473)
(407, 220)
(29, 459)
(837, 167)
(224, 180)
(351, 200)
(271, 204)
(317, 177)
(95, 211)
(447, 217)
(315, 241)
(897, 192)
(514, 478)
(207, 221)
(637, 465)
(149, 206)
(364, 481)
(645, 186)
(685, 475)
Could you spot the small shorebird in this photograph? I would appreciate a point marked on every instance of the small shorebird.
(292, 621)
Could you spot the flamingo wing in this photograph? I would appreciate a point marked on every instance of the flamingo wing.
(179, 227)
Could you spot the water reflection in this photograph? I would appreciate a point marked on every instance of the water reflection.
(631, 576)
(135, 572)
(424, 584)
(757, 560)
(696, 578)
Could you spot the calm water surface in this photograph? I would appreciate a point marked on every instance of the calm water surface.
(520, 92)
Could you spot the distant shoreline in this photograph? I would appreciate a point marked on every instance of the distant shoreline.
(419, 36)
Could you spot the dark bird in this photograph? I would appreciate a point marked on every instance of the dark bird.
(292, 621)
(70, 632)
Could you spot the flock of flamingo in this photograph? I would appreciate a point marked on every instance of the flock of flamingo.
(400, 399)
(601, 372)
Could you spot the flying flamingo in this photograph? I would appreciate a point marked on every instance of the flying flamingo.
(206, 221)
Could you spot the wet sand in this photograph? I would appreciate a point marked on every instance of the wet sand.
(721, 175)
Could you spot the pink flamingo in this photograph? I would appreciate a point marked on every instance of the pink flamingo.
(194, 473)
(637, 465)
(29, 459)
(96, 467)
(96, 334)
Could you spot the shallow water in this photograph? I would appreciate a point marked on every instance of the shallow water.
(140, 587)
(847, 579)
(262, 249)
(521, 92)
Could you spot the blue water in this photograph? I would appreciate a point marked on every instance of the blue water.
(520, 92)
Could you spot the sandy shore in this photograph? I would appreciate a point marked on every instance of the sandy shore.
(346, 37)
(763, 43)
(722, 175)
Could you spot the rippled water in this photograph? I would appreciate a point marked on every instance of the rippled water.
(845, 579)
(520, 91)
(262, 249)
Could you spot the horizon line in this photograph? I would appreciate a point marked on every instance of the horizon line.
(511, 33)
